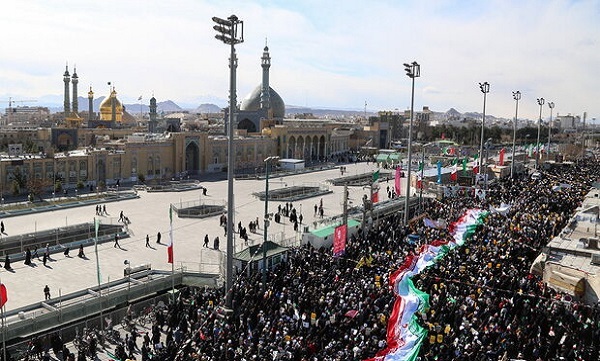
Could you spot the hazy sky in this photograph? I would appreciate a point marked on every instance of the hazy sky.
(335, 54)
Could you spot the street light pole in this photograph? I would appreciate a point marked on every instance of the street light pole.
(485, 88)
(228, 34)
(516, 97)
(268, 161)
(540, 101)
(413, 70)
(551, 106)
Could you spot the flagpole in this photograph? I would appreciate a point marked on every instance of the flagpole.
(3, 334)
(172, 252)
(96, 226)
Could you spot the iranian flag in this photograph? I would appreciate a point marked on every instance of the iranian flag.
(454, 173)
(464, 165)
(375, 187)
(420, 176)
(501, 156)
(170, 245)
(404, 334)
(475, 164)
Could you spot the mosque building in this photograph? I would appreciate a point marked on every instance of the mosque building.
(263, 107)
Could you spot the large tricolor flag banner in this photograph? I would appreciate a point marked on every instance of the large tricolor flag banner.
(397, 179)
(404, 334)
(170, 245)
(375, 187)
(339, 240)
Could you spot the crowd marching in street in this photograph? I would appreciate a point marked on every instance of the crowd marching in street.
(484, 304)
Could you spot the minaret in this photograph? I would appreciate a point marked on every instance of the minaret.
(90, 104)
(74, 81)
(67, 80)
(265, 94)
(113, 105)
(152, 122)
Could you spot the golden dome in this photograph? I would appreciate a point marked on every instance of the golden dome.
(107, 105)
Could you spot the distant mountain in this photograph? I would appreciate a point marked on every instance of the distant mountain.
(452, 113)
(318, 112)
(207, 108)
(207, 105)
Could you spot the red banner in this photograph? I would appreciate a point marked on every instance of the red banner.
(501, 158)
(339, 240)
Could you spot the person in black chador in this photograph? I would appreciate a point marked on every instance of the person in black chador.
(7, 263)
(27, 257)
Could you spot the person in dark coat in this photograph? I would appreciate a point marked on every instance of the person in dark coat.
(7, 263)
(27, 257)
(81, 254)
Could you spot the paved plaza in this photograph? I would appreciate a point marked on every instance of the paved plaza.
(149, 215)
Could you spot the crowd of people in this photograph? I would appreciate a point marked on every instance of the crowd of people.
(484, 302)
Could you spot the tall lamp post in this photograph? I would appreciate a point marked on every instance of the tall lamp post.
(551, 106)
(413, 70)
(516, 97)
(228, 34)
(485, 88)
(268, 162)
(540, 101)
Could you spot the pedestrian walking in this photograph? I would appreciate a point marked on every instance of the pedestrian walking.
(7, 263)
(47, 292)
(216, 243)
(66, 252)
(104, 209)
(158, 235)
(44, 259)
(1, 226)
(81, 254)
(147, 241)
(27, 257)
(116, 241)
(206, 241)
(121, 217)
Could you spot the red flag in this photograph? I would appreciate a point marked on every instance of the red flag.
(501, 158)
(339, 240)
(397, 179)
(3, 295)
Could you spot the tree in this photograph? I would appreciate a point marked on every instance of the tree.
(36, 186)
